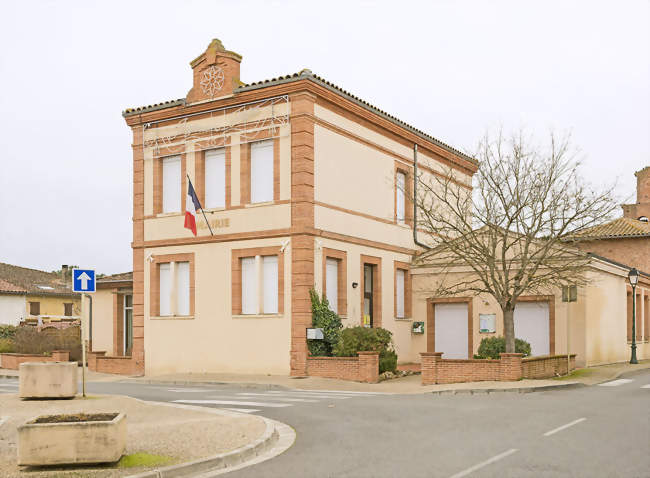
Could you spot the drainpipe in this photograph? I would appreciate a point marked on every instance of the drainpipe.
(415, 195)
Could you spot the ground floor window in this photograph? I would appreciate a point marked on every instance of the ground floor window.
(402, 290)
(257, 281)
(172, 285)
(67, 309)
(34, 308)
(334, 280)
(128, 324)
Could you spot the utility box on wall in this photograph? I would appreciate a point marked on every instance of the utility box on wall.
(418, 328)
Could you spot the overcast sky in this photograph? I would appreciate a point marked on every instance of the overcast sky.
(450, 68)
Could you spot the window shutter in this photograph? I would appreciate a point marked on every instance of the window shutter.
(401, 194)
(67, 309)
(171, 172)
(399, 284)
(165, 288)
(332, 283)
(270, 281)
(183, 288)
(248, 286)
(262, 171)
(215, 178)
(34, 308)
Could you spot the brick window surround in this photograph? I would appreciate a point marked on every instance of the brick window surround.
(404, 266)
(408, 203)
(431, 321)
(236, 283)
(158, 182)
(376, 290)
(154, 281)
(199, 169)
(245, 166)
(342, 280)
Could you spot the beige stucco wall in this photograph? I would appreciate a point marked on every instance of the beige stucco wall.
(102, 333)
(214, 340)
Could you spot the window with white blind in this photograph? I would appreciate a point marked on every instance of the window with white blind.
(174, 288)
(165, 288)
(332, 283)
(259, 285)
(215, 178)
(171, 184)
(248, 286)
(400, 290)
(262, 171)
(400, 198)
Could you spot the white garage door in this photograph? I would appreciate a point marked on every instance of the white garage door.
(532, 325)
(451, 330)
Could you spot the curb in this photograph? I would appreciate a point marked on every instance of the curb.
(224, 462)
(485, 391)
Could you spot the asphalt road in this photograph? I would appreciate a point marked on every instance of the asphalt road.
(598, 431)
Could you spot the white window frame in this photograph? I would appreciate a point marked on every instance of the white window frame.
(400, 197)
(263, 303)
(171, 204)
(174, 290)
(401, 272)
(332, 266)
(215, 178)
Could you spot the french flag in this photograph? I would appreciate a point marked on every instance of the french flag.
(192, 205)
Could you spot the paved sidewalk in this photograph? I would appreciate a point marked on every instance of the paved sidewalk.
(404, 385)
(180, 434)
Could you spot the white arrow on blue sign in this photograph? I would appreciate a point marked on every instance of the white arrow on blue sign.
(83, 280)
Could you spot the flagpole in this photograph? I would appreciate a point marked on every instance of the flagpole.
(202, 211)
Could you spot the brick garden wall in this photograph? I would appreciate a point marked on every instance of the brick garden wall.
(546, 366)
(510, 367)
(99, 362)
(364, 368)
(12, 361)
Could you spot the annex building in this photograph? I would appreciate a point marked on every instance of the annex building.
(304, 186)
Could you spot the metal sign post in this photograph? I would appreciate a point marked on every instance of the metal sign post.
(569, 294)
(83, 280)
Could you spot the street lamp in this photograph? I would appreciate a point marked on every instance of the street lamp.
(633, 277)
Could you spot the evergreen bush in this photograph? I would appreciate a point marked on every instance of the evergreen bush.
(364, 339)
(492, 347)
(324, 318)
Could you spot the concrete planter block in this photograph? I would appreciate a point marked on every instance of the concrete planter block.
(48, 380)
(68, 443)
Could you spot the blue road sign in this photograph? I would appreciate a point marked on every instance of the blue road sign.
(83, 280)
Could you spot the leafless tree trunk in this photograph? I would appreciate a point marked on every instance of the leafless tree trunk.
(513, 229)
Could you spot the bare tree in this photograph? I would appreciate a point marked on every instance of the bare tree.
(510, 233)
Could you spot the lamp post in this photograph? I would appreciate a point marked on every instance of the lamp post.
(633, 277)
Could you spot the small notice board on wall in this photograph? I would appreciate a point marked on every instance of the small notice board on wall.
(487, 323)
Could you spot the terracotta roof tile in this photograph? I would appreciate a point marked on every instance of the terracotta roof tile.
(31, 281)
(123, 276)
(623, 227)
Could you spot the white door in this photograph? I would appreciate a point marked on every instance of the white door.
(451, 330)
(532, 325)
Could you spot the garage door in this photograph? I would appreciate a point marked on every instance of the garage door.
(532, 325)
(451, 330)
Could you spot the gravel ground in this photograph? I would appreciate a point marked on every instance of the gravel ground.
(159, 430)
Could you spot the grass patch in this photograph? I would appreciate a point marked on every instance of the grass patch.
(143, 459)
(581, 372)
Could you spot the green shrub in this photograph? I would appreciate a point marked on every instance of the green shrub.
(6, 346)
(7, 331)
(324, 318)
(364, 339)
(491, 347)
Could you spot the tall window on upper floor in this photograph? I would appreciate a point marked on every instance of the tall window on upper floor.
(171, 184)
(332, 283)
(262, 171)
(259, 285)
(400, 196)
(215, 179)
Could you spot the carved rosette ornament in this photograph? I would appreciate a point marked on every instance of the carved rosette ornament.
(212, 80)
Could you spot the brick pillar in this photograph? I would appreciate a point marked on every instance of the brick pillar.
(510, 367)
(92, 360)
(60, 355)
(369, 367)
(429, 366)
(137, 353)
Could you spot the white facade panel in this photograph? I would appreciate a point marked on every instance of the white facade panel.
(532, 325)
(451, 330)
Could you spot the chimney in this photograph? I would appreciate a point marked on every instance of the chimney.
(641, 209)
(215, 73)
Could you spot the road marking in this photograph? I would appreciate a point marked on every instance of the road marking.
(310, 395)
(646, 386)
(559, 429)
(242, 410)
(340, 391)
(484, 463)
(616, 383)
(188, 390)
(275, 397)
(233, 402)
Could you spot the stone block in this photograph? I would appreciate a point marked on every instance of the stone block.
(48, 380)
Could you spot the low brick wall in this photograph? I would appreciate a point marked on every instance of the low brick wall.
(121, 365)
(435, 369)
(364, 368)
(12, 361)
(546, 366)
